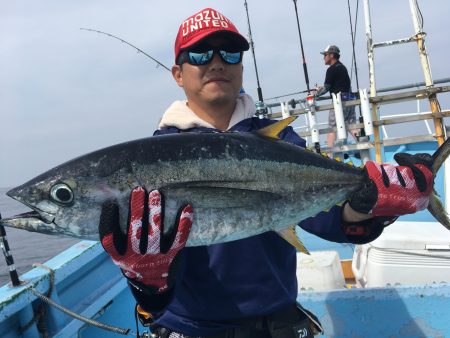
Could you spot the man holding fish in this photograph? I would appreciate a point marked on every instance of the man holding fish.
(247, 287)
(201, 217)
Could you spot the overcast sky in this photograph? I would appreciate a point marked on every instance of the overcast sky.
(65, 92)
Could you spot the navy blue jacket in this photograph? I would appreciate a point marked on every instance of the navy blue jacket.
(220, 283)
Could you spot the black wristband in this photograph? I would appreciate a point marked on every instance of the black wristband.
(366, 231)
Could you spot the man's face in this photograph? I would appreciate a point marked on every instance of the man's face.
(215, 83)
(327, 58)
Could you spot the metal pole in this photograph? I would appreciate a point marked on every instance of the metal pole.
(373, 91)
(434, 104)
(420, 38)
(411, 85)
(419, 34)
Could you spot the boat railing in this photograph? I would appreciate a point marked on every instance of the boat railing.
(304, 129)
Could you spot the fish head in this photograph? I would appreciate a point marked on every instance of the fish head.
(63, 203)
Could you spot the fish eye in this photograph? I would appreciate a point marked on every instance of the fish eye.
(61, 193)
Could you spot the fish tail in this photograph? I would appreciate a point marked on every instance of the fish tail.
(435, 206)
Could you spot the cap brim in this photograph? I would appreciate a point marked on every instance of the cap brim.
(236, 39)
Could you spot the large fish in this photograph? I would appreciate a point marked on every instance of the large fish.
(239, 184)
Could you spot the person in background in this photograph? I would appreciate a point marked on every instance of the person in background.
(245, 288)
(337, 81)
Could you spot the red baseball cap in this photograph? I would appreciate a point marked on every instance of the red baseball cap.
(204, 23)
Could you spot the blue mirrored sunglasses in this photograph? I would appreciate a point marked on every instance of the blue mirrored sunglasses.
(204, 57)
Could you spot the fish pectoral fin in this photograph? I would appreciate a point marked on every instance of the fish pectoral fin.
(291, 237)
(274, 129)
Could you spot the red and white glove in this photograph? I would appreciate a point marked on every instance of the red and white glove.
(395, 190)
(139, 252)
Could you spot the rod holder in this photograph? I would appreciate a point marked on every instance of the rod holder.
(285, 113)
(365, 111)
(339, 116)
(313, 125)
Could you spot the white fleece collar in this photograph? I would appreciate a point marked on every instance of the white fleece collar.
(179, 115)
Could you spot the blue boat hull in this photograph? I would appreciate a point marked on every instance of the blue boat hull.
(88, 283)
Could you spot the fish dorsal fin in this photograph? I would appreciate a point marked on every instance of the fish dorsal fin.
(291, 237)
(274, 129)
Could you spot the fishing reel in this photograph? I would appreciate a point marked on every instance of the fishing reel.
(261, 109)
(311, 101)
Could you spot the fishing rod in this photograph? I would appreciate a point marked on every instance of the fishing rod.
(261, 109)
(362, 132)
(310, 98)
(129, 44)
(353, 38)
(305, 69)
(15, 281)
(290, 94)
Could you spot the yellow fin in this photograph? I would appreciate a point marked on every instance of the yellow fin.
(291, 237)
(341, 203)
(274, 129)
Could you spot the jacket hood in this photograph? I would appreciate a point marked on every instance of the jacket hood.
(179, 115)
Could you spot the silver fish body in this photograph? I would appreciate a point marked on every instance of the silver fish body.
(239, 184)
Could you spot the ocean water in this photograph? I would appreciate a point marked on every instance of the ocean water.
(26, 247)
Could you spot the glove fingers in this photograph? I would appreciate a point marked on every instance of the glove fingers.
(154, 221)
(404, 159)
(178, 241)
(107, 218)
(184, 226)
(109, 227)
(410, 161)
(425, 159)
(176, 238)
(137, 220)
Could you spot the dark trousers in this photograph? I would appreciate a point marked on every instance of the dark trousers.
(289, 322)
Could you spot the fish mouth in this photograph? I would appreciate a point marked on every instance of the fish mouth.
(36, 220)
(31, 221)
(37, 215)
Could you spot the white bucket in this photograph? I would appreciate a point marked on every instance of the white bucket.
(319, 271)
